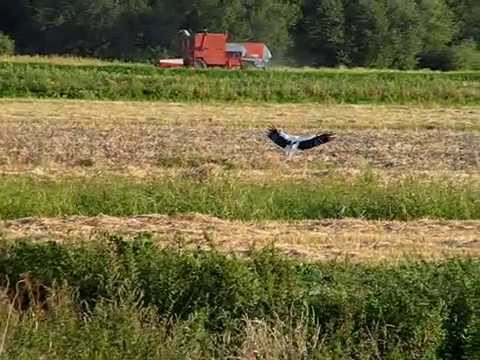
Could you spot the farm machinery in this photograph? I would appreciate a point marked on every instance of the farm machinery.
(204, 50)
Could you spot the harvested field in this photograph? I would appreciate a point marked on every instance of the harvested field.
(79, 135)
(357, 240)
(31, 145)
(108, 114)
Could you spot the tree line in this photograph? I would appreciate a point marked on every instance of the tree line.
(403, 34)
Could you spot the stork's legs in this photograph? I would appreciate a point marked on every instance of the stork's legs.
(290, 150)
(305, 168)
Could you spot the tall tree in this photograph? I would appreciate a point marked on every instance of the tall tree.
(270, 21)
(467, 16)
(101, 28)
(321, 33)
(266, 20)
(437, 24)
(375, 33)
(366, 32)
(403, 40)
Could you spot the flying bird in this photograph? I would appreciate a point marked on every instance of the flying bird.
(292, 144)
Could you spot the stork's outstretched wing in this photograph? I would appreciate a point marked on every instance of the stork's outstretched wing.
(278, 137)
(315, 141)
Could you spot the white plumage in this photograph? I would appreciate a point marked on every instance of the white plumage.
(291, 143)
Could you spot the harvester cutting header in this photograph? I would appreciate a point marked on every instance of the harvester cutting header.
(204, 50)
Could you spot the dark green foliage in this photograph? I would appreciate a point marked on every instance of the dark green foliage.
(232, 198)
(441, 59)
(371, 33)
(134, 29)
(7, 45)
(467, 55)
(199, 301)
(383, 33)
(467, 13)
(143, 82)
(322, 32)
(178, 283)
(471, 334)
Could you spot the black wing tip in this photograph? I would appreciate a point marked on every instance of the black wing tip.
(317, 140)
(328, 136)
(275, 135)
(272, 130)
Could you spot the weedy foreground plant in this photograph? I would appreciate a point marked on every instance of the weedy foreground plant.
(113, 298)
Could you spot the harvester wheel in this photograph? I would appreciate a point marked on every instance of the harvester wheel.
(247, 65)
(200, 64)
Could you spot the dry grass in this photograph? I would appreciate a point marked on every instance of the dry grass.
(358, 240)
(122, 135)
(86, 135)
(282, 340)
(108, 114)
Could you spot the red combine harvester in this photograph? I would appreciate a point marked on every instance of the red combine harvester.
(204, 50)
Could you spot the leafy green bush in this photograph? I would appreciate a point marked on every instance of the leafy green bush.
(131, 297)
(468, 56)
(7, 45)
(438, 59)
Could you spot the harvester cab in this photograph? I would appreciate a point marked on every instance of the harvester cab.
(204, 50)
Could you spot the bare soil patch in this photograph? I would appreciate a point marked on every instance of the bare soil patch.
(358, 240)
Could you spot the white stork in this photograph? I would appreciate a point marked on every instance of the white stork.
(292, 144)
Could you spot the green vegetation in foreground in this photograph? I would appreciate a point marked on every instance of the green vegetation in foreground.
(115, 299)
(229, 197)
(143, 82)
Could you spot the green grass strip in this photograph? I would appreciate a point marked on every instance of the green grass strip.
(143, 82)
(364, 196)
